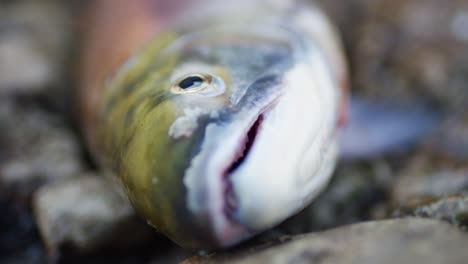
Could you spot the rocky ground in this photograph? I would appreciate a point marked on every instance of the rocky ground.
(408, 207)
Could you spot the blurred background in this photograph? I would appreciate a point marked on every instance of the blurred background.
(54, 205)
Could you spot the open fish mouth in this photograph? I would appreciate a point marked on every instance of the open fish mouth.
(278, 155)
(227, 228)
(239, 157)
(229, 138)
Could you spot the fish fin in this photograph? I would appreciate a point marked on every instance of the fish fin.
(375, 128)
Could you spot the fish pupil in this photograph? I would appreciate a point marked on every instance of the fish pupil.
(191, 82)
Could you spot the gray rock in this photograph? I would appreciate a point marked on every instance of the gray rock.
(34, 36)
(37, 147)
(427, 179)
(450, 141)
(86, 214)
(453, 210)
(393, 241)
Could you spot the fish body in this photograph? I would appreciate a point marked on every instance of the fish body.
(219, 120)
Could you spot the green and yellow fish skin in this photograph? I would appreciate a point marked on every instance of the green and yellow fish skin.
(138, 113)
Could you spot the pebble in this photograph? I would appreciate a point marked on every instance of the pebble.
(87, 214)
(426, 179)
(450, 140)
(37, 147)
(453, 210)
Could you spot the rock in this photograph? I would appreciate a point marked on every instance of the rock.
(86, 214)
(426, 179)
(409, 240)
(450, 141)
(34, 36)
(37, 147)
(451, 209)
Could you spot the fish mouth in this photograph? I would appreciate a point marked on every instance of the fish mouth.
(228, 144)
(233, 230)
(240, 155)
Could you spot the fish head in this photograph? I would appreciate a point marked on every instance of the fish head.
(220, 134)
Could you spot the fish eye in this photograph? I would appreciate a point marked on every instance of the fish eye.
(192, 83)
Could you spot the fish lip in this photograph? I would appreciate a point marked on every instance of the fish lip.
(232, 230)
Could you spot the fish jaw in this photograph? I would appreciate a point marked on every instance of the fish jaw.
(272, 161)
(268, 161)
(294, 154)
(207, 180)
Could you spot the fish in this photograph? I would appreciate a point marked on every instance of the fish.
(219, 120)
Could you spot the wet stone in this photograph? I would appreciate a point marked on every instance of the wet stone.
(412, 240)
(427, 179)
(37, 147)
(431, 186)
(450, 140)
(85, 215)
(451, 209)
